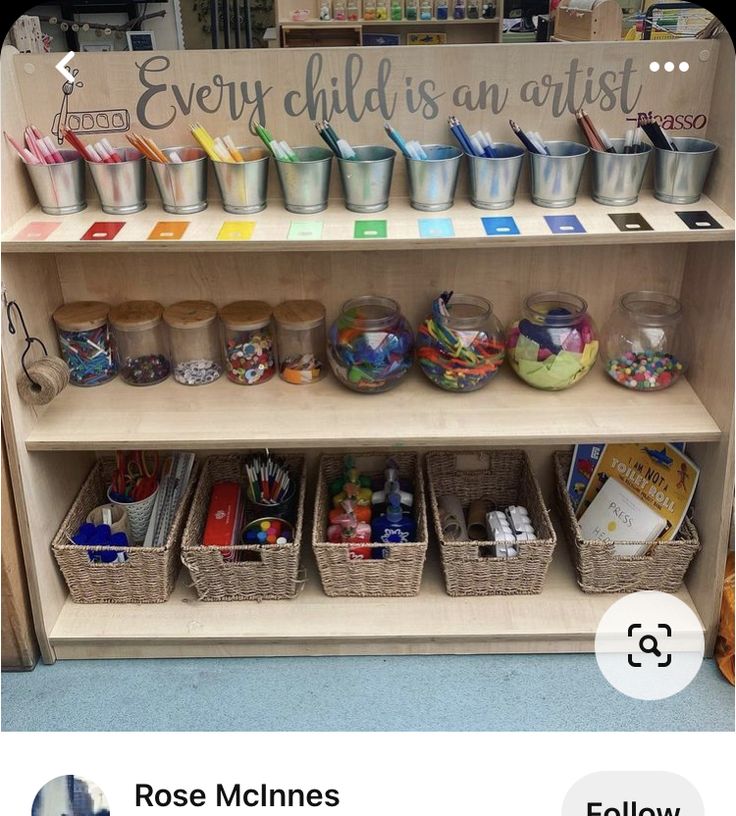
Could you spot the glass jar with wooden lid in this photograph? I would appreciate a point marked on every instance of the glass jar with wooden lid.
(249, 346)
(194, 341)
(300, 340)
(86, 342)
(140, 336)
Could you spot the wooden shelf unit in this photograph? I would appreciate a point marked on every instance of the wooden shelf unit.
(293, 33)
(51, 449)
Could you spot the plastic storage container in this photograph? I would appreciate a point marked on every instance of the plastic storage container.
(300, 339)
(645, 343)
(555, 343)
(194, 340)
(249, 346)
(140, 336)
(370, 345)
(460, 346)
(86, 342)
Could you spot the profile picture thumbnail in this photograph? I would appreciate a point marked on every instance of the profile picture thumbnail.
(70, 796)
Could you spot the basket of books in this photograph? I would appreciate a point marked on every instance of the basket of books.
(244, 531)
(370, 525)
(494, 530)
(623, 510)
(141, 570)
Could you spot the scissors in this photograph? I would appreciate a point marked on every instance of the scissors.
(135, 477)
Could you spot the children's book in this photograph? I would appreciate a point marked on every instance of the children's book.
(659, 475)
(617, 515)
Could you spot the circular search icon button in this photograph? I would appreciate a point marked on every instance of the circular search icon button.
(649, 645)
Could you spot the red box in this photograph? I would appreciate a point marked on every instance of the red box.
(224, 516)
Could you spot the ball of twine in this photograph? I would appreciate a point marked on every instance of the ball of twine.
(50, 377)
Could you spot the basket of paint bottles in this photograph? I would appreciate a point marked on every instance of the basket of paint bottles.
(370, 525)
(243, 534)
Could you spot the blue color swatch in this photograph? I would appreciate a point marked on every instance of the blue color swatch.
(564, 224)
(500, 225)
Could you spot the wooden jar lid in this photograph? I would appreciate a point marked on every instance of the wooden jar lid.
(246, 315)
(84, 315)
(136, 315)
(190, 314)
(299, 314)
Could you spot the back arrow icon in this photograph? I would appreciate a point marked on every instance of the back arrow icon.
(62, 69)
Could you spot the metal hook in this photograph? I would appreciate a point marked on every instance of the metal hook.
(30, 340)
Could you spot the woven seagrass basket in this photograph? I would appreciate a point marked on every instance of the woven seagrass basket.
(149, 573)
(600, 569)
(503, 478)
(400, 572)
(273, 574)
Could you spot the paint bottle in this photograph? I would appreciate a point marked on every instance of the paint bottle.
(394, 526)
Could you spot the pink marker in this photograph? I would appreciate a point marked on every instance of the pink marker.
(58, 158)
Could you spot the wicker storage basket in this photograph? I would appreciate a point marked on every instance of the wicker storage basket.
(398, 574)
(503, 477)
(599, 569)
(149, 573)
(273, 575)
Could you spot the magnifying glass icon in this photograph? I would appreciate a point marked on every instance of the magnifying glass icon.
(648, 645)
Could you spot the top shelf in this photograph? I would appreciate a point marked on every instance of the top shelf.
(275, 229)
(289, 23)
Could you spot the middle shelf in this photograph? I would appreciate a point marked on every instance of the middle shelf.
(327, 415)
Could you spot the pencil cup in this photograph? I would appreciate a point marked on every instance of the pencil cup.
(139, 514)
(119, 517)
(121, 186)
(306, 183)
(617, 177)
(285, 509)
(432, 181)
(556, 178)
(679, 176)
(183, 187)
(60, 187)
(493, 182)
(243, 184)
(366, 180)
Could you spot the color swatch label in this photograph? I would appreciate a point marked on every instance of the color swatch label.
(168, 230)
(236, 231)
(500, 225)
(305, 231)
(699, 220)
(564, 224)
(436, 228)
(103, 231)
(37, 231)
(370, 229)
(630, 222)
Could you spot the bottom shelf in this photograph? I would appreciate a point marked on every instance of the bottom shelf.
(561, 619)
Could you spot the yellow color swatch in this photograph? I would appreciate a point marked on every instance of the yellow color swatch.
(236, 231)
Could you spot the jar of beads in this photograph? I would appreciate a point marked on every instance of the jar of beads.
(249, 347)
(370, 345)
(86, 343)
(460, 346)
(194, 340)
(140, 336)
(555, 344)
(645, 342)
(300, 339)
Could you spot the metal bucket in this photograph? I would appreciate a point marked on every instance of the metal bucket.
(306, 183)
(60, 187)
(243, 185)
(183, 187)
(617, 177)
(556, 178)
(679, 176)
(493, 182)
(366, 180)
(432, 181)
(121, 186)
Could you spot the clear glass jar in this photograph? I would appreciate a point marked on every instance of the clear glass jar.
(473, 9)
(194, 340)
(300, 340)
(86, 342)
(555, 344)
(460, 346)
(140, 337)
(411, 9)
(645, 342)
(441, 10)
(370, 345)
(249, 346)
(382, 9)
(458, 10)
(425, 10)
(369, 10)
